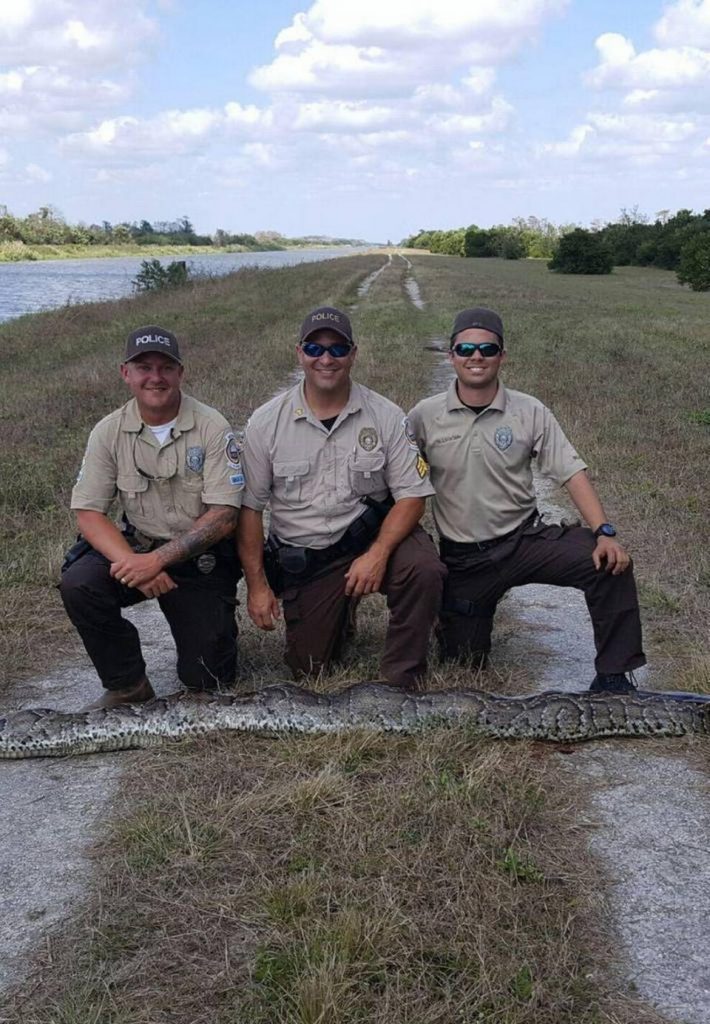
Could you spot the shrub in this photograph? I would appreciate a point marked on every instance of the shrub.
(694, 266)
(581, 252)
(154, 277)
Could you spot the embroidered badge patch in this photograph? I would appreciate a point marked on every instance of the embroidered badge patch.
(195, 459)
(409, 434)
(367, 439)
(237, 479)
(232, 451)
(503, 438)
(422, 466)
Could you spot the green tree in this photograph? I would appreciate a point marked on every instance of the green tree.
(581, 252)
(154, 277)
(478, 242)
(694, 266)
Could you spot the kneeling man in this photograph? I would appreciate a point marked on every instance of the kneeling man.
(173, 466)
(481, 440)
(346, 487)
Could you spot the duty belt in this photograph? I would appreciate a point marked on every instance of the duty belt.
(457, 547)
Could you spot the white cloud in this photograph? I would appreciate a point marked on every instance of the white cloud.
(621, 138)
(622, 68)
(685, 23)
(337, 116)
(169, 133)
(73, 33)
(417, 24)
(460, 125)
(36, 173)
(376, 48)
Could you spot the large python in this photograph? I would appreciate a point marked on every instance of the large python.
(554, 716)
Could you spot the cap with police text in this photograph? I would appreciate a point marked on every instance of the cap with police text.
(326, 318)
(480, 317)
(152, 339)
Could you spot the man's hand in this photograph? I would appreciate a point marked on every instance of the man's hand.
(610, 551)
(263, 606)
(134, 570)
(159, 585)
(366, 573)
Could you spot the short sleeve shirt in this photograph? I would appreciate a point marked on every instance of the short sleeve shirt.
(162, 489)
(482, 464)
(314, 479)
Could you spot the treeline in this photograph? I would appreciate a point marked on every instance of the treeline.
(47, 226)
(532, 237)
(679, 241)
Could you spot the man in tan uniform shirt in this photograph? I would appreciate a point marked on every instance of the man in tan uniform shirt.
(346, 488)
(481, 441)
(172, 464)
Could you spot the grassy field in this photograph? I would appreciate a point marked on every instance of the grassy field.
(443, 880)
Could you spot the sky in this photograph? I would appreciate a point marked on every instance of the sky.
(354, 118)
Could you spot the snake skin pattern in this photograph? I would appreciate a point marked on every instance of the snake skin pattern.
(554, 716)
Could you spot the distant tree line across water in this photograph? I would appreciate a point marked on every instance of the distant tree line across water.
(47, 226)
(679, 241)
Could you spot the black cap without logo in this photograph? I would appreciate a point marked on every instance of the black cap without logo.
(326, 318)
(480, 317)
(152, 339)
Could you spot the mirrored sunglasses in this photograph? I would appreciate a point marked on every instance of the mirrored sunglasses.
(488, 349)
(313, 350)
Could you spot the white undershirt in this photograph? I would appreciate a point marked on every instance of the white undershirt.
(162, 433)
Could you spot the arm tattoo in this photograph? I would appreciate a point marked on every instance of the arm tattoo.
(212, 526)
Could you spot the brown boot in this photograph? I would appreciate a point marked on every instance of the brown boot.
(136, 694)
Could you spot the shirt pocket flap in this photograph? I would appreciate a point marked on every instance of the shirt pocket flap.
(132, 483)
(368, 464)
(291, 470)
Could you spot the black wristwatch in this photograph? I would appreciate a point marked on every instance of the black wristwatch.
(605, 530)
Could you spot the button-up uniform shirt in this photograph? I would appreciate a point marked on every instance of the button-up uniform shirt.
(314, 479)
(482, 465)
(162, 489)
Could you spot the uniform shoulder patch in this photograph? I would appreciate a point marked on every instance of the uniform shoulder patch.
(233, 450)
(409, 434)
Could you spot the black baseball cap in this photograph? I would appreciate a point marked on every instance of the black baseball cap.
(481, 317)
(326, 318)
(152, 339)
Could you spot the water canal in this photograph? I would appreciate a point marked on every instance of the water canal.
(28, 287)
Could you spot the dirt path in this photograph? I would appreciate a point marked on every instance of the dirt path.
(51, 808)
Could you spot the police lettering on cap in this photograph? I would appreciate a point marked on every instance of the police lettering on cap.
(480, 317)
(152, 339)
(326, 318)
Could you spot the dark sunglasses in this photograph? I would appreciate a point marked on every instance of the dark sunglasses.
(313, 350)
(488, 349)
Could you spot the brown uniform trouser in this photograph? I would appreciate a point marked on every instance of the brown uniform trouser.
(316, 613)
(538, 553)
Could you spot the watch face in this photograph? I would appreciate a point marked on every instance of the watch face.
(606, 530)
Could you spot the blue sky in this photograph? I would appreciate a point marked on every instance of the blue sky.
(367, 119)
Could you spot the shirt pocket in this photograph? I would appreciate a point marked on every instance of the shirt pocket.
(291, 481)
(132, 489)
(367, 473)
(189, 496)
